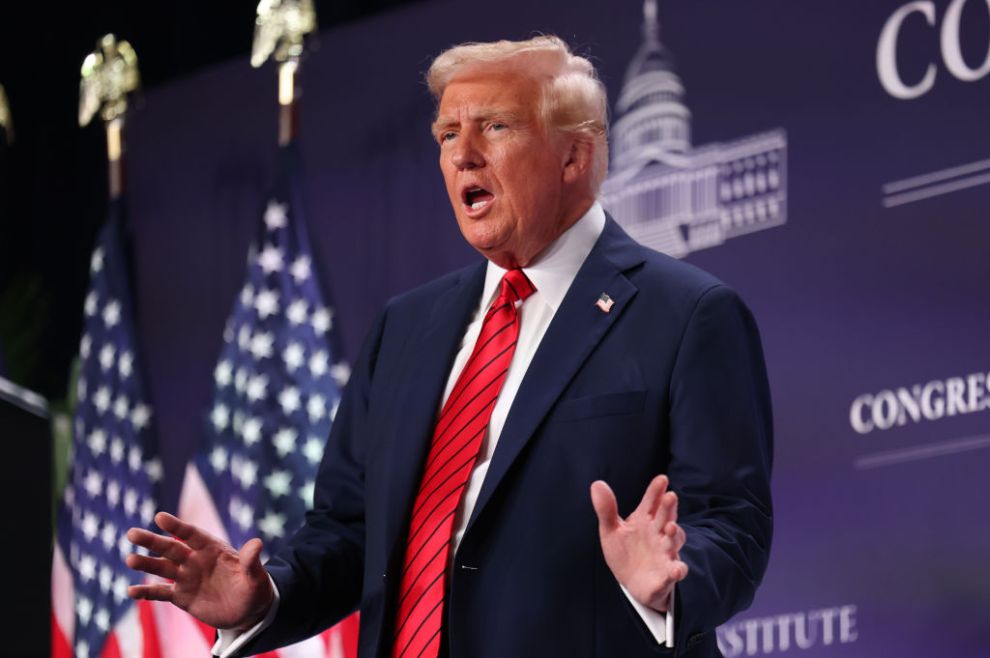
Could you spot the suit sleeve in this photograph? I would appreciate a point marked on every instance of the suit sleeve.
(721, 456)
(318, 573)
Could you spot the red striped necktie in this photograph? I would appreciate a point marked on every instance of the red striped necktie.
(457, 440)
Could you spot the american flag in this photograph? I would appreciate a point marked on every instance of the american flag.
(114, 475)
(277, 386)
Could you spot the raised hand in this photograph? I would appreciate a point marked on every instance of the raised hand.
(212, 581)
(642, 550)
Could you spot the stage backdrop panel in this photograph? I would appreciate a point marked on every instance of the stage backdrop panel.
(829, 160)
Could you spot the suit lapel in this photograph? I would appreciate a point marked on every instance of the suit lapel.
(425, 372)
(575, 331)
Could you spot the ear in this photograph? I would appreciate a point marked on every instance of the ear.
(578, 159)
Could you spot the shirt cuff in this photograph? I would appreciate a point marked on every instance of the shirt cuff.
(230, 641)
(660, 625)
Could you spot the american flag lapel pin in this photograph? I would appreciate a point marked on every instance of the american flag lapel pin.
(605, 303)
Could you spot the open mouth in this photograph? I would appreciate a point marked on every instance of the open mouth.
(476, 198)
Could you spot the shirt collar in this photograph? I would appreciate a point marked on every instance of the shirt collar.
(554, 270)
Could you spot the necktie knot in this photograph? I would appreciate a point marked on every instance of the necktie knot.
(516, 287)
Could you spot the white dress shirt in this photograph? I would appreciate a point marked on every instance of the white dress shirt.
(551, 274)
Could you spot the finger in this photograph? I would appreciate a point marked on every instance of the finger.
(187, 532)
(677, 571)
(250, 557)
(665, 511)
(156, 566)
(676, 535)
(654, 492)
(167, 547)
(605, 505)
(156, 592)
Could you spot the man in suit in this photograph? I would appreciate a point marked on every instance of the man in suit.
(452, 505)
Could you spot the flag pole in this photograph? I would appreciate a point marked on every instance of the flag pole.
(279, 33)
(109, 74)
(6, 122)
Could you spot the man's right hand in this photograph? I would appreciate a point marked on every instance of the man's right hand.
(212, 581)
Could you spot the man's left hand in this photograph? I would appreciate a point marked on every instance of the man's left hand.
(643, 549)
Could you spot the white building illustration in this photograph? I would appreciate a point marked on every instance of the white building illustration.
(673, 197)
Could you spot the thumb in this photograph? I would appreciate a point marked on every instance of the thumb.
(250, 556)
(605, 505)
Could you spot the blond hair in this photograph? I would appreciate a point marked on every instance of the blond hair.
(574, 99)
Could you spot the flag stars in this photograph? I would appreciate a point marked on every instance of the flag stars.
(147, 511)
(271, 259)
(275, 215)
(340, 372)
(153, 469)
(322, 320)
(134, 458)
(116, 450)
(124, 549)
(251, 431)
(244, 338)
(113, 493)
(313, 450)
(106, 577)
(97, 442)
(301, 268)
(316, 407)
(120, 583)
(91, 304)
(96, 262)
(111, 314)
(293, 355)
(272, 524)
(261, 345)
(120, 407)
(223, 374)
(125, 364)
(130, 502)
(102, 620)
(297, 312)
(266, 303)
(285, 441)
(289, 400)
(247, 295)
(87, 571)
(278, 483)
(90, 526)
(240, 513)
(306, 493)
(101, 400)
(220, 417)
(218, 459)
(257, 387)
(107, 355)
(240, 380)
(140, 416)
(319, 363)
(93, 483)
(82, 649)
(109, 537)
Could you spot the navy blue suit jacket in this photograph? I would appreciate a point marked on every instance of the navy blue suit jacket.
(672, 381)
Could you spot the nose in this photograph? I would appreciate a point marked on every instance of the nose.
(465, 153)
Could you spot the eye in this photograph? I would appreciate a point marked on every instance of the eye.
(497, 125)
(446, 136)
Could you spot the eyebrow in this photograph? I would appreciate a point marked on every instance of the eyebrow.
(443, 123)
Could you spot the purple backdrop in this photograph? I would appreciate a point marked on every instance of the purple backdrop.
(871, 296)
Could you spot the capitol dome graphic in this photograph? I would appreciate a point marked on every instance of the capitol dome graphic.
(672, 196)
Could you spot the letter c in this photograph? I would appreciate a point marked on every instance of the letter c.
(887, 51)
(859, 422)
(951, 51)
